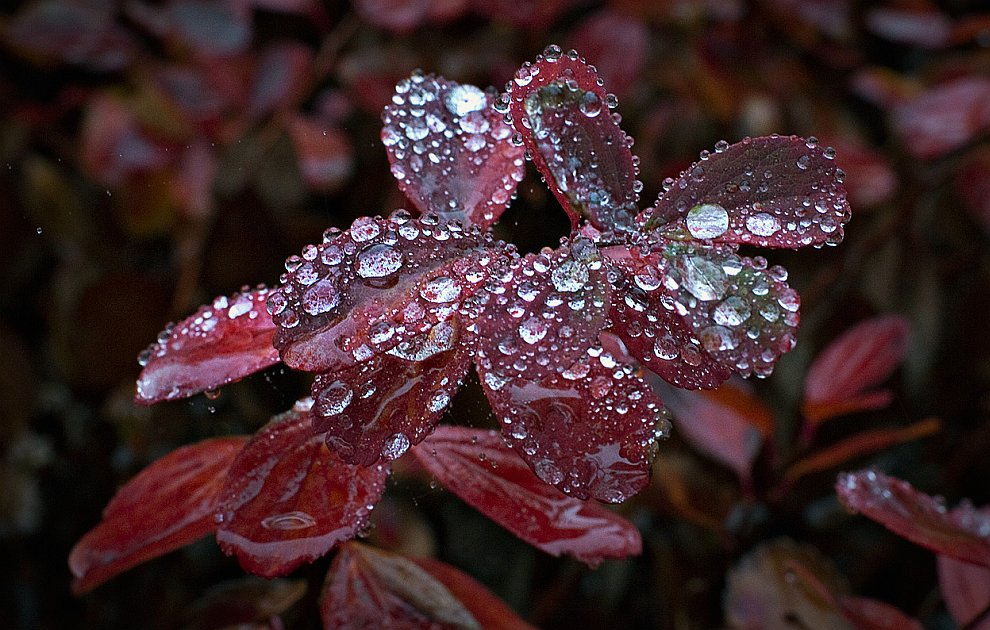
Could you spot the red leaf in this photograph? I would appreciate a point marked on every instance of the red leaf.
(375, 286)
(325, 156)
(966, 590)
(281, 78)
(596, 37)
(857, 445)
(371, 588)
(380, 407)
(721, 424)
(773, 191)
(944, 117)
(963, 533)
(545, 313)
(652, 334)
(566, 122)
(840, 378)
(490, 611)
(75, 31)
(166, 506)
(289, 499)
(871, 614)
(220, 343)
(591, 431)
(479, 468)
(450, 151)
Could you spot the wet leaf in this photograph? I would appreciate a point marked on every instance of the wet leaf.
(221, 342)
(945, 117)
(841, 378)
(371, 588)
(962, 533)
(591, 431)
(450, 151)
(382, 406)
(966, 590)
(166, 506)
(375, 286)
(858, 445)
(772, 191)
(783, 585)
(565, 119)
(544, 313)
(724, 424)
(653, 334)
(289, 499)
(478, 467)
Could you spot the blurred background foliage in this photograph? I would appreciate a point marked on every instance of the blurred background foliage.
(158, 153)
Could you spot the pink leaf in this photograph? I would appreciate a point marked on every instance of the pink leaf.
(719, 428)
(166, 506)
(652, 334)
(450, 151)
(382, 406)
(380, 283)
(479, 468)
(591, 431)
(220, 343)
(871, 614)
(963, 533)
(371, 588)
(966, 590)
(566, 122)
(596, 37)
(773, 191)
(944, 117)
(840, 379)
(490, 612)
(325, 155)
(289, 499)
(545, 313)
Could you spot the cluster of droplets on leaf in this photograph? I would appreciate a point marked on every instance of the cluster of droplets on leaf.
(421, 271)
(441, 136)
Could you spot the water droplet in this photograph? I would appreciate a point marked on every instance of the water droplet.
(731, 312)
(533, 330)
(395, 446)
(378, 261)
(334, 399)
(552, 52)
(707, 220)
(703, 279)
(590, 105)
(289, 521)
(762, 224)
(440, 290)
(321, 298)
(464, 99)
(569, 276)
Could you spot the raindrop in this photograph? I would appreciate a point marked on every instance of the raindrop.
(590, 105)
(704, 279)
(378, 261)
(707, 220)
(464, 99)
(440, 290)
(289, 521)
(395, 446)
(762, 224)
(570, 276)
(334, 399)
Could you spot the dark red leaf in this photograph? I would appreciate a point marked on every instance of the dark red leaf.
(871, 614)
(773, 191)
(972, 185)
(245, 600)
(591, 431)
(830, 17)
(963, 533)
(944, 117)
(75, 31)
(966, 590)
(450, 151)
(924, 27)
(653, 334)
(619, 65)
(840, 379)
(209, 27)
(114, 147)
(280, 78)
(166, 506)
(382, 406)
(479, 468)
(289, 499)
(194, 92)
(544, 313)
(858, 445)
(721, 424)
(371, 588)
(528, 14)
(566, 121)
(325, 155)
(490, 611)
(380, 283)
(220, 343)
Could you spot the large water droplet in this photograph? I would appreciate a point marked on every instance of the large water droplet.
(320, 298)
(440, 290)
(533, 330)
(289, 521)
(464, 99)
(395, 446)
(762, 224)
(570, 276)
(731, 312)
(334, 399)
(707, 220)
(704, 279)
(378, 261)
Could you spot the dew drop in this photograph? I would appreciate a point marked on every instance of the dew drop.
(762, 224)
(707, 220)
(289, 521)
(334, 399)
(378, 261)
(440, 290)
(464, 99)
(395, 446)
